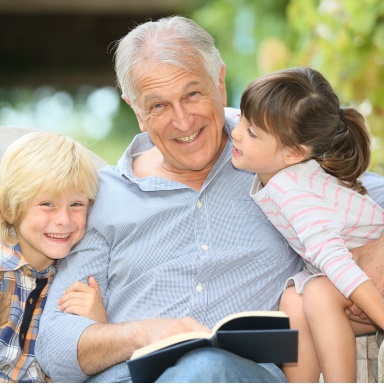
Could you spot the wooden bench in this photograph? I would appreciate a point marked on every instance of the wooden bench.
(370, 358)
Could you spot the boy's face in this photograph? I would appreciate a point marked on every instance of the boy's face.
(50, 227)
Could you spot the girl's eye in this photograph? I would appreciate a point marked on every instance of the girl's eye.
(250, 133)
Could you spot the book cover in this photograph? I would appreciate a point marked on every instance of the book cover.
(262, 336)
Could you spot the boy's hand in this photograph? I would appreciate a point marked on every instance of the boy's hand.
(84, 300)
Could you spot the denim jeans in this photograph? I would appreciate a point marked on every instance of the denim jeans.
(206, 365)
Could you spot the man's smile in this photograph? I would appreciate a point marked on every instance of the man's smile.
(188, 139)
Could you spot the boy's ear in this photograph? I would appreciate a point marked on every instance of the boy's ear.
(7, 218)
(139, 120)
(293, 156)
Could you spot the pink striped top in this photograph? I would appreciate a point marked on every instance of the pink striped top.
(321, 220)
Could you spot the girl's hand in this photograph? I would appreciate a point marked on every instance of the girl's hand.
(84, 300)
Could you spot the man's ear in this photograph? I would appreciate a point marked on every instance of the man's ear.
(126, 100)
(139, 120)
(293, 156)
(223, 90)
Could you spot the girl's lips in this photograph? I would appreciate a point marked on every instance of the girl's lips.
(236, 151)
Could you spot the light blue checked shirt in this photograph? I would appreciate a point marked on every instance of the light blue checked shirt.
(160, 249)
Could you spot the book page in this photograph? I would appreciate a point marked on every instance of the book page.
(182, 337)
(251, 313)
(202, 335)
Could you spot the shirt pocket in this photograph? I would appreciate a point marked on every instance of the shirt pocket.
(5, 307)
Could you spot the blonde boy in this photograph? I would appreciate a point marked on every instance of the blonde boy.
(48, 181)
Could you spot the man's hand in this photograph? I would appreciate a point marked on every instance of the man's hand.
(154, 330)
(370, 259)
(104, 345)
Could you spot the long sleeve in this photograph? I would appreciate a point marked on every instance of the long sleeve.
(321, 220)
(59, 334)
(319, 227)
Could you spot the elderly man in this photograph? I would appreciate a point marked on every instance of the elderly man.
(173, 239)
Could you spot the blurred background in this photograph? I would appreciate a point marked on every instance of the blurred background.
(56, 58)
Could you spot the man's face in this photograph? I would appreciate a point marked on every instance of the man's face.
(183, 113)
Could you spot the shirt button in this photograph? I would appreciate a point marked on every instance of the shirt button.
(6, 367)
(199, 288)
(28, 272)
(205, 247)
(199, 204)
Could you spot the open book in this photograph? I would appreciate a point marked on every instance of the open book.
(262, 336)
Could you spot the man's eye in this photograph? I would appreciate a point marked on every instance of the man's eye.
(157, 106)
(193, 94)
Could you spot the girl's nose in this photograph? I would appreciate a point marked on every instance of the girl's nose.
(235, 133)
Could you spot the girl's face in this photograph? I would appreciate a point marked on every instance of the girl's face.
(50, 227)
(257, 151)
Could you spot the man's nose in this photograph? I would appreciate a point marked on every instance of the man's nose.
(182, 118)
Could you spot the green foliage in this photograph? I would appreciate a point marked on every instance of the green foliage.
(343, 39)
(239, 28)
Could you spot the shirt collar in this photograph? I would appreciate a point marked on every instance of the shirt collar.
(11, 259)
(142, 143)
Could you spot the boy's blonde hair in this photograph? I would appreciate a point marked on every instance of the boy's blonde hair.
(41, 162)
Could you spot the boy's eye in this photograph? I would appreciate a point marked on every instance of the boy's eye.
(78, 204)
(46, 203)
(250, 133)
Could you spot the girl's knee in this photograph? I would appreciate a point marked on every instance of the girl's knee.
(290, 300)
(320, 294)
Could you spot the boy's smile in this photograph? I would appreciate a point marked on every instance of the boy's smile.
(50, 227)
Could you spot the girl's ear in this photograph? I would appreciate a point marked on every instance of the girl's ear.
(293, 156)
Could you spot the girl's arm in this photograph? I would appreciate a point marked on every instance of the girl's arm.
(367, 297)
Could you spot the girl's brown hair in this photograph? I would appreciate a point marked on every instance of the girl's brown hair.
(299, 107)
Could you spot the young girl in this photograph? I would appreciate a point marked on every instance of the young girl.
(308, 154)
(48, 181)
